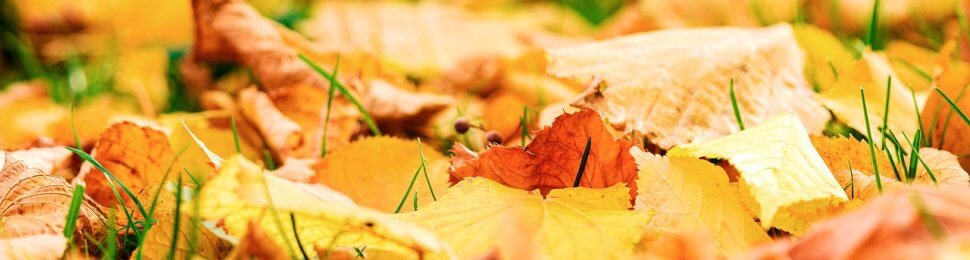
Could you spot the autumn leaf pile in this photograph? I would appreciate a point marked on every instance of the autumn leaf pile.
(649, 129)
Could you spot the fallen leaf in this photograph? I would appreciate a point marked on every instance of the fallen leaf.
(420, 39)
(943, 126)
(158, 241)
(398, 110)
(945, 167)
(212, 127)
(553, 158)
(36, 203)
(690, 195)
(376, 172)
(782, 171)
(872, 73)
(672, 86)
(570, 223)
(842, 153)
(905, 223)
(137, 155)
(257, 244)
(46, 159)
(681, 246)
(281, 134)
(241, 192)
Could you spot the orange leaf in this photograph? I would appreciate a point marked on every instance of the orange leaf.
(137, 155)
(552, 160)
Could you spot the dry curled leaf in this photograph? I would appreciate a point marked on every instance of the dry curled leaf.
(135, 154)
(470, 216)
(779, 168)
(281, 134)
(376, 172)
(673, 86)
(907, 223)
(553, 158)
(690, 195)
(398, 110)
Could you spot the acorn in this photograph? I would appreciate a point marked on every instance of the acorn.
(462, 125)
(493, 137)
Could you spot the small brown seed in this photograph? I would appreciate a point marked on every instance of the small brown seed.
(493, 137)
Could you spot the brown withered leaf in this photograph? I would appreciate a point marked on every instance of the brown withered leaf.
(908, 223)
(393, 107)
(46, 159)
(138, 155)
(232, 30)
(672, 86)
(553, 158)
(36, 203)
(281, 134)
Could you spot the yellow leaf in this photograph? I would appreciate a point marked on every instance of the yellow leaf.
(673, 85)
(242, 192)
(572, 223)
(213, 128)
(692, 195)
(782, 171)
(826, 58)
(375, 172)
(158, 240)
(872, 73)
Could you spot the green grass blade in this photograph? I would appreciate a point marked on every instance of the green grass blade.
(582, 163)
(114, 189)
(885, 110)
(235, 134)
(919, 119)
(424, 168)
(954, 106)
(77, 140)
(408, 191)
(343, 90)
(734, 104)
(77, 198)
(296, 234)
(326, 120)
(415, 200)
(268, 159)
(872, 149)
(873, 25)
(178, 219)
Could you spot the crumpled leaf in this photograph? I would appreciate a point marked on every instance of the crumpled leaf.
(690, 195)
(420, 39)
(871, 73)
(51, 160)
(241, 192)
(375, 172)
(158, 240)
(672, 86)
(909, 223)
(281, 134)
(582, 223)
(552, 159)
(780, 169)
(393, 107)
(233, 31)
(36, 203)
(138, 155)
